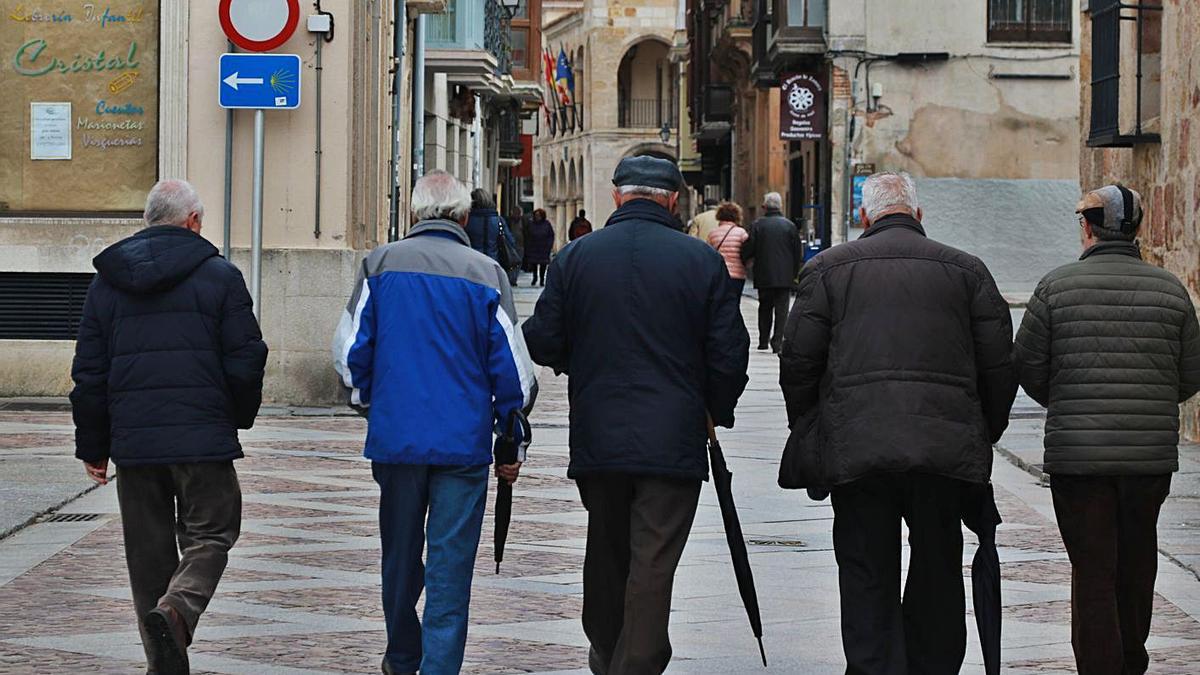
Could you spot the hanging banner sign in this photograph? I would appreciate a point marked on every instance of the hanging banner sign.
(802, 107)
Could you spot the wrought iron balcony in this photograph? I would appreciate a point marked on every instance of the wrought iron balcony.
(646, 113)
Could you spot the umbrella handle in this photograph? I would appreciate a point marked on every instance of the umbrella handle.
(712, 429)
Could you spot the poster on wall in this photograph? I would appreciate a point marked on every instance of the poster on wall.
(802, 107)
(49, 131)
(78, 85)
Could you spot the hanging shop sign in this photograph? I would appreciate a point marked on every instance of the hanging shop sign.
(802, 107)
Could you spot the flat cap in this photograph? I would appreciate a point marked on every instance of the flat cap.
(1113, 207)
(649, 172)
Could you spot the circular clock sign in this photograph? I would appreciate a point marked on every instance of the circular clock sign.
(259, 25)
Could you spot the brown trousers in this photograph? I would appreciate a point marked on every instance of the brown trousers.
(197, 507)
(637, 528)
(1109, 525)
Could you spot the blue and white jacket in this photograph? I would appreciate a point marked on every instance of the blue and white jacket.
(429, 345)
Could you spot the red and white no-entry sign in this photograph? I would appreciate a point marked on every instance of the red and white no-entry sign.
(259, 25)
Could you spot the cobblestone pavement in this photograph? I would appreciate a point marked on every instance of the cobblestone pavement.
(302, 592)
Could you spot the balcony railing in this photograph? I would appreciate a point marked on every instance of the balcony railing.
(646, 113)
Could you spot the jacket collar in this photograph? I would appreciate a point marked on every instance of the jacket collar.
(1128, 248)
(893, 221)
(442, 228)
(643, 209)
(772, 212)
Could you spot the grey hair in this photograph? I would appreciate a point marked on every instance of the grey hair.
(171, 201)
(889, 192)
(438, 194)
(773, 200)
(646, 191)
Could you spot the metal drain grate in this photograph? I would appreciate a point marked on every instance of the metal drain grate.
(70, 517)
(785, 543)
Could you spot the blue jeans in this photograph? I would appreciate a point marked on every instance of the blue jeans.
(453, 497)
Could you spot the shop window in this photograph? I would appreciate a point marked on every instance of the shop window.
(1029, 20)
(1126, 57)
(80, 107)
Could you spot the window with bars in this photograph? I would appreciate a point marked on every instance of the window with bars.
(1124, 92)
(1029, 20)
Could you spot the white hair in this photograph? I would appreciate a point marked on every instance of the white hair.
(773, 200)
(646, 191)
(889, 192)
(171, 201)
(438, 194)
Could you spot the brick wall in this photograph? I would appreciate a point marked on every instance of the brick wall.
(1166, 173)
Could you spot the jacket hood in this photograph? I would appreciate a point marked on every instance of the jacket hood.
(893, 221)
(154, 260)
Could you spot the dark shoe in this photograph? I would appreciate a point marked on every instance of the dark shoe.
(387, 669)
(168, 641)
(763, 348)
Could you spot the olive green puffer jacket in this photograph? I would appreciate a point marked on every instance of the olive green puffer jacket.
(1111, 346)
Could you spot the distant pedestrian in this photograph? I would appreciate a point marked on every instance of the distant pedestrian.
(777, 252)
(168, 366)
(702, 224)
(580, 226)
(640, 317)
(727, 239)
(485, 227)
(897, 375)
(1111, 345)
(429, 350)
(539, 244)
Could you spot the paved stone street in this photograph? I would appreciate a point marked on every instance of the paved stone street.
(302, 591)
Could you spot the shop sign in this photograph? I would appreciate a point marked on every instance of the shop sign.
(802, 107)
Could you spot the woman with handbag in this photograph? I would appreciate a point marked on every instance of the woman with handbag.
(727, 238)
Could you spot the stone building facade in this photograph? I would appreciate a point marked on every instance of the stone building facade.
(626, 90)
(1152, 149)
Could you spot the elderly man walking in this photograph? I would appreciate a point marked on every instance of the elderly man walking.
(1111, 345)
(429, 349)
(640, 316)
(168, 366)
(896, 371)
(775, 247)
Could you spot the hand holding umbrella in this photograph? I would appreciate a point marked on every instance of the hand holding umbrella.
(509, 450)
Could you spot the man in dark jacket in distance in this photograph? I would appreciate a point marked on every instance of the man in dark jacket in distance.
(896, 372)
(777, 252)
(640, 316)
(168, 366)
(580, 226)
(1111, 345)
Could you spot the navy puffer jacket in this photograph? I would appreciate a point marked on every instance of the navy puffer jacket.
(169, 361)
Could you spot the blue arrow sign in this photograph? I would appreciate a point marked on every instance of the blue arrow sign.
(270, 81)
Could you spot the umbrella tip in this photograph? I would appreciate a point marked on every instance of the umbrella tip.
(497, 568)
(762, 651)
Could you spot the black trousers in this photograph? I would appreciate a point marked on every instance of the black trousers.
(772, 305)
(1109, 525)
(169, 509)
(925, 632)
(637, 528)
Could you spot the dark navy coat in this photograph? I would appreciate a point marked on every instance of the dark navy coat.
(169, 361)
(484, 228)
(641, 317)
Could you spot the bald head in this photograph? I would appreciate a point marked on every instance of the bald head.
(174, 202)
(886, 194)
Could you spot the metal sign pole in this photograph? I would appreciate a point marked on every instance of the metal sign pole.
(256, 212)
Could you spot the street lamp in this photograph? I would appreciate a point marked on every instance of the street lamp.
(665, 133)
(510, 6)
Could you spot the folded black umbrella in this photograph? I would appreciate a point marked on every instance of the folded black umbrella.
(507, 451)
(722, 479)
(980, 515)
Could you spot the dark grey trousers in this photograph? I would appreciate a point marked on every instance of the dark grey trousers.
(637, 528)
(167, 509)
